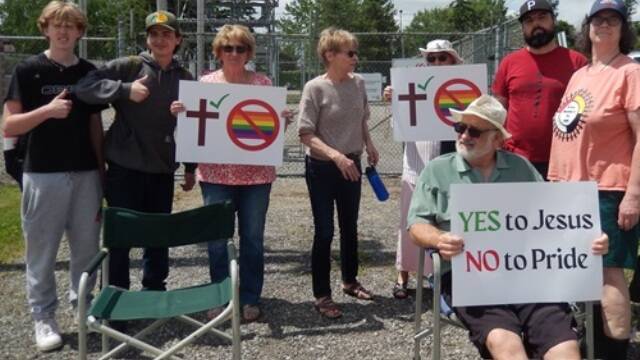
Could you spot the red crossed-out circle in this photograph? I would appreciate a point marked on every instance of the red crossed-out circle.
(444, 90)
(240, 110)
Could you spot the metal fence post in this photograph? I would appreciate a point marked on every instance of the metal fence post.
(200, 39)
(82, 46)
(120, 41)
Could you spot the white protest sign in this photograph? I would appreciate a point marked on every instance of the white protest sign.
(422, 97)
(525, 243)
(230, 124)
(373, 85)
(408, 62)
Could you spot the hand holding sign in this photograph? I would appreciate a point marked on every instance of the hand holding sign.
(59, 107)
(176, 108)
(450, 245)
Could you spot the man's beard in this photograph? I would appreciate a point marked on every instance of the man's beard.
(538, 39)
(478, 151)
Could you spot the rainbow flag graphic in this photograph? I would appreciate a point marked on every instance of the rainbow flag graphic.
(456, 99)
(261, 127)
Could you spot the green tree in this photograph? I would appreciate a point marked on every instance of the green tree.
(631, 6)
(473, 15)
(376, 16)
(435, 21)
(460, 16)
(312, 16)
(301, 17)
(19, 17)
(569, 30)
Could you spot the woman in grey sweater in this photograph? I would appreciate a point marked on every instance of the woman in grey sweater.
(333, 127)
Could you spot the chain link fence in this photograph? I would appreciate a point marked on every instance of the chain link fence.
(291, 60)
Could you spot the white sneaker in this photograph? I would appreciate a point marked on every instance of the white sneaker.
(47, 334)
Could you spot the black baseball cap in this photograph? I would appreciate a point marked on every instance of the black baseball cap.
(533, 5)
(615, 5)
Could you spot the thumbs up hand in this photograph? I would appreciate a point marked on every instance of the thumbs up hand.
(60, 107)
(139, 91)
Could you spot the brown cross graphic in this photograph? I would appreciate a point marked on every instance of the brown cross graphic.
(202, 114)
(412, 97)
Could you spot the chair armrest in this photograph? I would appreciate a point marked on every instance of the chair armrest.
(96, 261)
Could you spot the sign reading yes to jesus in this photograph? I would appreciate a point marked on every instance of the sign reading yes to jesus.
(230, 124)
(531, 246)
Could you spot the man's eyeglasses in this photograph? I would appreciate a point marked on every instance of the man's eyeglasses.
(442, 58)
(240, 49)
(610, 20)
(460, 128)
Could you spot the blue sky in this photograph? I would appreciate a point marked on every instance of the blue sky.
(572, 11)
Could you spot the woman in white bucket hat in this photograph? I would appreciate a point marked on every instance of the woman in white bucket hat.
(416, 154)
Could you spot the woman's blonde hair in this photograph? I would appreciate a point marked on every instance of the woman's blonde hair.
(240, 33)
(62, 11)
(334, 40)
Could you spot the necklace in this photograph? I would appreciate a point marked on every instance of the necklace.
(605, 65)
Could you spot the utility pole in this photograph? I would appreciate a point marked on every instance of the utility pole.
(82, 46)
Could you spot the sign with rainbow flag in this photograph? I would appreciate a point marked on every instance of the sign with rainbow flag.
(230, 124)
(423, 96)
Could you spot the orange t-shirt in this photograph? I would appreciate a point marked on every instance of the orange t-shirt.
(592, 139)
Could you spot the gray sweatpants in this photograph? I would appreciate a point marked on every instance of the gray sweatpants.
(52, 204)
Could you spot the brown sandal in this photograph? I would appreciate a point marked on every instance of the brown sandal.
(400, 291)
(357, 291)
(327, 308)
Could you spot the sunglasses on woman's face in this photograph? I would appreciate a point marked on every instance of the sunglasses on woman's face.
(460, 128)
(610, 20)
(240, 49)
(442, 58)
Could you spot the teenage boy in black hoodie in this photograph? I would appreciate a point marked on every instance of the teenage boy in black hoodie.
(139, 146)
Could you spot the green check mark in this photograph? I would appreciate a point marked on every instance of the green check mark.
(424, 87)
(217, 104)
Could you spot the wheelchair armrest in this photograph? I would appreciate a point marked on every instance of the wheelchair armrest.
(96, 261)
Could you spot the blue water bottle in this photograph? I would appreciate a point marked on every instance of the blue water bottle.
(376, 183)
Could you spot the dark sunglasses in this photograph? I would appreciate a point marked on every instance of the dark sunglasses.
(441, 58)
(460, 128)
(240, 49)
(351, 53)
(610, 20)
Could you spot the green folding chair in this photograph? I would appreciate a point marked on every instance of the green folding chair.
(124, 228)
(443, 315)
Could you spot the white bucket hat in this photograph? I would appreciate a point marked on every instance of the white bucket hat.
(488, 108)
(435, 46)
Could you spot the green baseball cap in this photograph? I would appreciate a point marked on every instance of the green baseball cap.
(162, 18)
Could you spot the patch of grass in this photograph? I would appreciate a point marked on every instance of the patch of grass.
(11, 242)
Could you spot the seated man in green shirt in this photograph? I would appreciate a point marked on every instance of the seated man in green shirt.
(517, 331)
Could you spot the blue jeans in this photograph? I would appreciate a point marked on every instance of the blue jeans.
(251, 203)
(327, 186)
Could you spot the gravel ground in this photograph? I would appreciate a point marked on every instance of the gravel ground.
(290, 328)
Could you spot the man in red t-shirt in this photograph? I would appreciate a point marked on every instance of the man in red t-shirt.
(530, 83)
